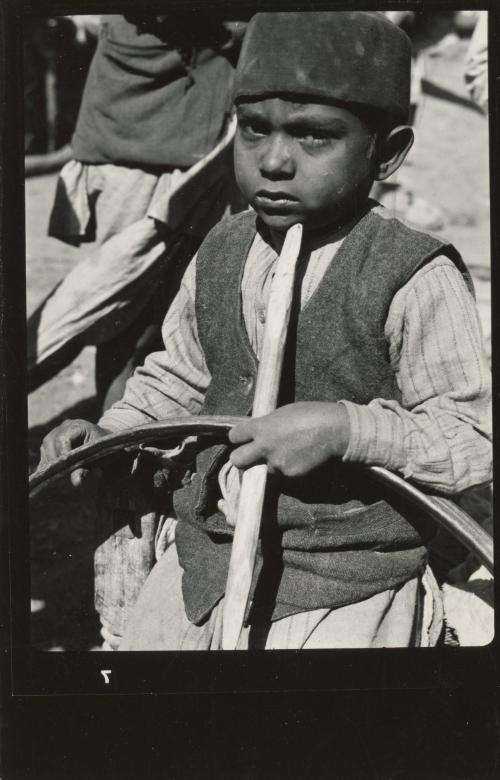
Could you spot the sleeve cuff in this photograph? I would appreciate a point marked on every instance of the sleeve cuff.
(375, 437)
(117, 420)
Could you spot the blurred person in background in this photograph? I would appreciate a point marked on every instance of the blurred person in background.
(151, 173)
(156, 102)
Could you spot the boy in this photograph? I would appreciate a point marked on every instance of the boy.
(374, 372)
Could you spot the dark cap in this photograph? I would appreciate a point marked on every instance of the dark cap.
(348, 57)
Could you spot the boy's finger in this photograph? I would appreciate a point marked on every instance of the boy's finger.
(247, 455)
(69, 437)
(48, 450)
(78, 476)
(242, 432)
(61, 440)
(91, 477)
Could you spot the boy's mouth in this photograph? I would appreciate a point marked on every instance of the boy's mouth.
(274, 200)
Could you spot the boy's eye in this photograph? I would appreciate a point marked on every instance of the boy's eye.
(253, 128)
(311, 137)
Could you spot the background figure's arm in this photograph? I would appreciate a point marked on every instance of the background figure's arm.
(170, 382)
(440, 434)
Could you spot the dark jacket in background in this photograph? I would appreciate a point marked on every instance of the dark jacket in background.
(155, 99)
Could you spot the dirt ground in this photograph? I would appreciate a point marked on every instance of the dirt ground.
(448, 166)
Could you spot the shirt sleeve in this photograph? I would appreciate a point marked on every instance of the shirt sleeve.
(440, 433)
(173, 381)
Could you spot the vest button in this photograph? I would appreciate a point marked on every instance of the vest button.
(261, 314)
(246, 384)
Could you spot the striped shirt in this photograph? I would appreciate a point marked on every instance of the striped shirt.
(440, 433)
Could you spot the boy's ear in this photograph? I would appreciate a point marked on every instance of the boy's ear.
(392, 150)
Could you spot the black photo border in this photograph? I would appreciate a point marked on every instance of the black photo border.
(28, 672)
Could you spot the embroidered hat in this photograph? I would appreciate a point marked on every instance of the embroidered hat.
(348, 57)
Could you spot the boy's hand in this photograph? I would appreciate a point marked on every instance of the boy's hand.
(66, 437)
(292, 440)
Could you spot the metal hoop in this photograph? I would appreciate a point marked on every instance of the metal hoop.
(442, 510)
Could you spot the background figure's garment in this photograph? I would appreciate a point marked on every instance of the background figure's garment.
(96, 202)
(156, 103)
(476, 71)
(136, 246)
(158, 98)
(389, 619)
(132, 529)
(440, 402)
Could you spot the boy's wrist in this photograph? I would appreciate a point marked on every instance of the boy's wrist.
(340, 430)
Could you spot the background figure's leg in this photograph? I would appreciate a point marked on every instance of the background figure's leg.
(40, 372)
(100, 296)
(107, 289)
(35, 108)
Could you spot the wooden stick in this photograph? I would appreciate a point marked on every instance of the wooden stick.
(253, 484)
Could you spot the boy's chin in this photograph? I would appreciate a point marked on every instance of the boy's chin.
(280, 223)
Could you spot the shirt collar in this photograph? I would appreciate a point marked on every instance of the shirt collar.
(311, 243)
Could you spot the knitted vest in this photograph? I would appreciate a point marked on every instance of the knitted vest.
(328, 539)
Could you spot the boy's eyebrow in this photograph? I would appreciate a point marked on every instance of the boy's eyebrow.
(321, 122)
(301, 116)
(249, 109)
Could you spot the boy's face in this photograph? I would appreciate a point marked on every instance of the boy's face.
(302, 162)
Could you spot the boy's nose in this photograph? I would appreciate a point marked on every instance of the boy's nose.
(277, 159)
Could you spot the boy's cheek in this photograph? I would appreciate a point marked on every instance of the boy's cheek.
(244, 183)
(245, 165)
